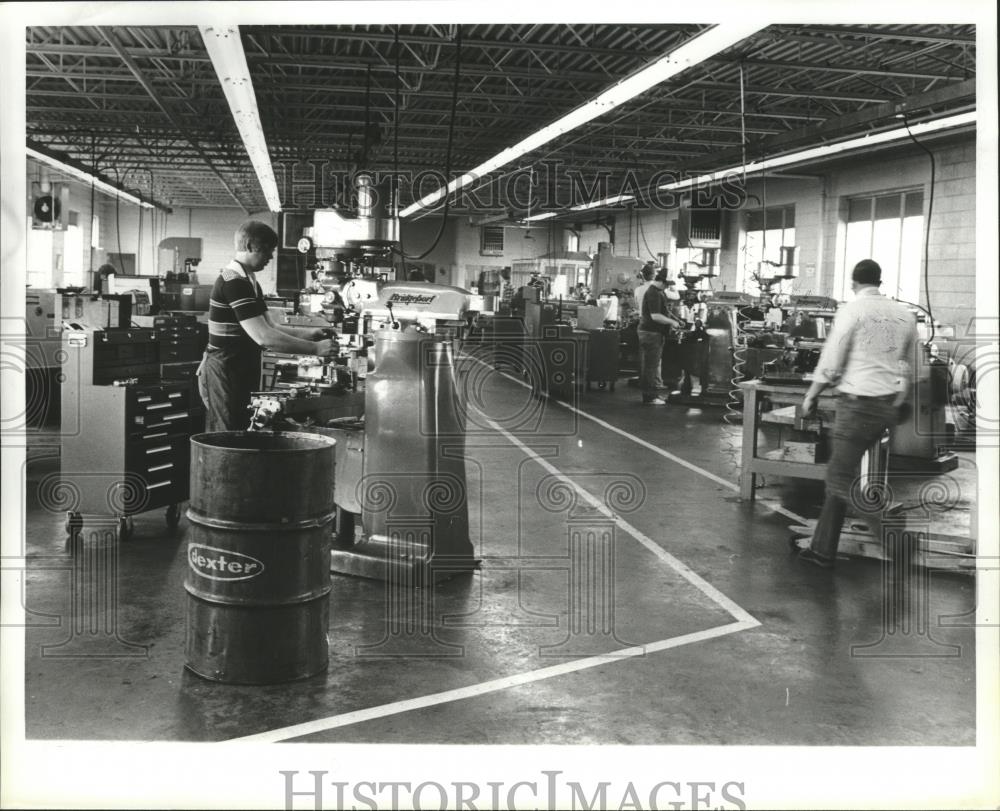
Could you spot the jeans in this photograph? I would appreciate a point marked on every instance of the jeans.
(859, 422)
(650, 355)
(225, 382)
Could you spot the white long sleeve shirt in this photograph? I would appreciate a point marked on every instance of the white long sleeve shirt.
(870, 346)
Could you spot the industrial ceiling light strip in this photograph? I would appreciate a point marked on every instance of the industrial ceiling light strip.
(873, 139)
(696, 50)
(86, 177)
(814, 153)
(609, 201)
(230, 62)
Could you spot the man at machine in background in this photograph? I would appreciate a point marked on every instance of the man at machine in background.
(646, 274)
(240, 327)
(867, 356)
(655, 323)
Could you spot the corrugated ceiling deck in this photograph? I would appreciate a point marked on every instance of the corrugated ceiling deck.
(146, 101)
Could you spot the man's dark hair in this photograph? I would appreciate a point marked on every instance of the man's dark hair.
(867, 271)
(648, 272)
(661, 275)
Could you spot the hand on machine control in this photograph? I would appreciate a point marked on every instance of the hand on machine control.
(320, 333)
(326, 348)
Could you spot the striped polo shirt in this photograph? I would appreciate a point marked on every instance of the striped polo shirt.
(236, 296)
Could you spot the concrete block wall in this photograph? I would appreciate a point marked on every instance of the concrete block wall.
(214, 226)
(820, 206)
(951, 250)
(457, 252)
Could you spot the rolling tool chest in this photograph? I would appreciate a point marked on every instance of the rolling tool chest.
(126, 432)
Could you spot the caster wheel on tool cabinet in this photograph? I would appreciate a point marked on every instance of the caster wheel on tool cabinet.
(172, 516)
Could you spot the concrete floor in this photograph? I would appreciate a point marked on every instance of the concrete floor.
(705, 629)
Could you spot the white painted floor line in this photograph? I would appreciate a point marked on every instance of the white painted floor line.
(681, 568)
(777, 508)
(492, 686)
(744, 621)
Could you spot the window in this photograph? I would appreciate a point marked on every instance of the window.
(767, 230)
(491, 240)
(572, 242)
(888, 229)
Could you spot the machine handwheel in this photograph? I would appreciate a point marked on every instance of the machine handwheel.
(125, 528)
(172, 516)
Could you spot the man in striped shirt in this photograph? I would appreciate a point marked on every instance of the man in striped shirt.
(240, 328)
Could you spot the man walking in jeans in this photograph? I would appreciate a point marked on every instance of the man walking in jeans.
(867, 356)
(654, 325)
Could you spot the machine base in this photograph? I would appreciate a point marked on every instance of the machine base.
(938, 464)
(709, 400)
(938, 551)
(377, 559)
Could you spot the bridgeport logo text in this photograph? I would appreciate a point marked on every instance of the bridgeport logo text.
(316, 790)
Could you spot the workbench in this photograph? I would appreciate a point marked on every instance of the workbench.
(781, 399)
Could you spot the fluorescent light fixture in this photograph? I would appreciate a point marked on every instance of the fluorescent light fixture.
(696, 50)
(86, 177)
(607, 201)
(824, 151)
(226, 52)
(548, 215)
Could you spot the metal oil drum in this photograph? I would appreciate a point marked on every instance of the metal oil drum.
(258, 553)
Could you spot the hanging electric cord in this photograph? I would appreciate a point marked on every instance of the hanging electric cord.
(927, 225)
(118, 222)
(743, 129)
(138, 246)
(451, 138)
(93, 192)
(642, 233)
(734, 397)
(395, 151)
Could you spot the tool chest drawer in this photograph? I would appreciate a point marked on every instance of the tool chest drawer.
(164, 406)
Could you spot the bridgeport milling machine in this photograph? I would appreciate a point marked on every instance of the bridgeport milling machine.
(400, 466)
(400, 485)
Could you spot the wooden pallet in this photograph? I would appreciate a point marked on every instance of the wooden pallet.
(937, 550)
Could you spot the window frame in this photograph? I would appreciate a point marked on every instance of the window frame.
(747, 267)
(907, 219)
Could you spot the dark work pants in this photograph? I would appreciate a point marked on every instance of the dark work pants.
(859, 422)
(650, 355)
(225, 382)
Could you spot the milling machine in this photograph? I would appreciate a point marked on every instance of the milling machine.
(400, 487)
